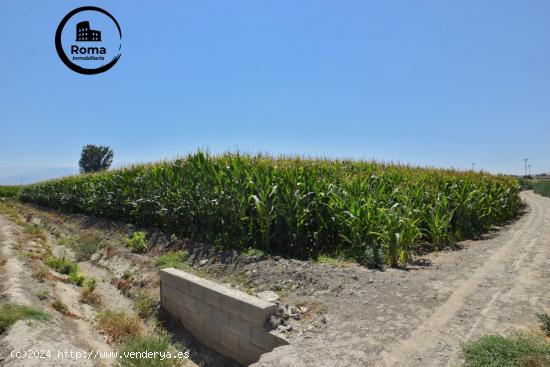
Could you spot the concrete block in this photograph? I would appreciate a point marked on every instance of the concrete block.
(232, 353)
(220, 318)
(224, 319)
(173, 280)
(258, 315)
(204, 310)
(265, 340)
(197, 291)
(213, 299)
(189, 303)
(170, 306)
(231, 305)
(279, 340)
(212, 331)
(239, 326)
(229, 340)
(249, 353)
(173, 294)
(194, 323)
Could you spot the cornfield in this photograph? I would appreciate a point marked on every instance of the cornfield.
(371, 212)
(9, 191)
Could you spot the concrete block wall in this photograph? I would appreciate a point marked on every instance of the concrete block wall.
(224, 319)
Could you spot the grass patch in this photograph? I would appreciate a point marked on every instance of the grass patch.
(40, 273)
(67, 267)
(17, 246)
(542, 187)
(173, 259)
(517, 350)
(84, 246)
(125, 282)
(144, 304)
(77, 278)
(253, 252)
(7, 208)
(62, 265)
(240, 281)
(10, 313)
(59, 306)
(321, 309)
(323, 259)
(91, 298)
(137, 242)
(159, 343)
(118, 325)
(34, 231)
(128, 274)
(43, 294)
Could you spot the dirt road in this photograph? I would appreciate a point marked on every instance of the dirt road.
(419, 317)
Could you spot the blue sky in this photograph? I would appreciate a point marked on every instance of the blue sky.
(424, 82)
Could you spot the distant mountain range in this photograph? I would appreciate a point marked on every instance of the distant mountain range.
(27, 175)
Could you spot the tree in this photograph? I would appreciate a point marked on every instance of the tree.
(95, 158)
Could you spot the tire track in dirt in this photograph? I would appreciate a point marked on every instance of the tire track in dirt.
(420, 316)
(61, 333)
(436, 341)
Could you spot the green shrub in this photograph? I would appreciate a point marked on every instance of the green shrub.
(293, 206)
(153, 343)
(67, 267)
(84, 246)
(173, 259)
(10, 313)
(88, 294)
(76, 278)
(90, 284)
(137, 243)
(62, 265)
(518, 350)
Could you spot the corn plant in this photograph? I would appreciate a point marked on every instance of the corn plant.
(367, 211)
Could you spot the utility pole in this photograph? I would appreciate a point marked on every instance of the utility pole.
(529, 169)
(473, 166)
(525, 160)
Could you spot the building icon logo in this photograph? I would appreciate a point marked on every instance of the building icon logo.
(84, 33)
(85, 50)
